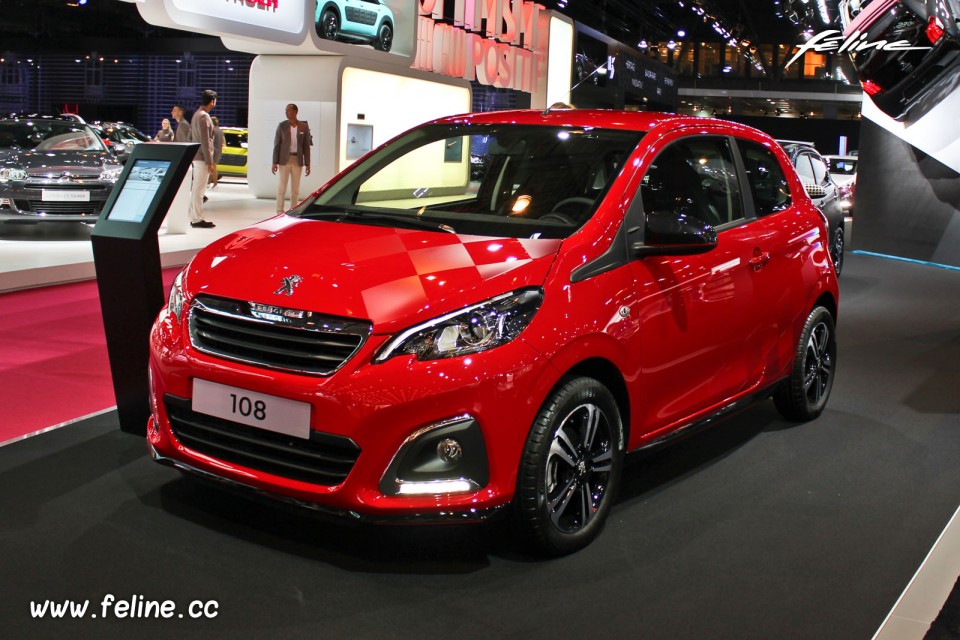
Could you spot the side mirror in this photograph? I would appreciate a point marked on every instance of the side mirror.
(671, 234)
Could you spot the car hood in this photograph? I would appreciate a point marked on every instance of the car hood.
(43, 162)
(393, 277)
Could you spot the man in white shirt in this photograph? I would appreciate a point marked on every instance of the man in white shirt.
(291, 151)
(204, 164)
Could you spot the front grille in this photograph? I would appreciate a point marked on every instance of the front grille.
(59, 208)
(324, 459)
(275, 337)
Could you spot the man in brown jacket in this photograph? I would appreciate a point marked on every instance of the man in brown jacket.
(291, 150)
(204, 165)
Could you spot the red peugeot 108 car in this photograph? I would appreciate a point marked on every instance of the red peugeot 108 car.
(419, 341)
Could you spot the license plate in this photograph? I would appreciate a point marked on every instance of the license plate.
(65, 195)
(260, 410)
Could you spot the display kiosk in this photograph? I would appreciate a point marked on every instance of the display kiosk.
(126, 255)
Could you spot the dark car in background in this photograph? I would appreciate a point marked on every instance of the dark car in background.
(53, 169)
(814, 173)
(901, 80)
(121, 137)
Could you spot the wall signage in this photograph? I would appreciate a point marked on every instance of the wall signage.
(280, 15)
(502, 43)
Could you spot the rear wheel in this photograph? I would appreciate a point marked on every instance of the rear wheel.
(836, 251)
(570, 468)
(804, 394)
(384, 37)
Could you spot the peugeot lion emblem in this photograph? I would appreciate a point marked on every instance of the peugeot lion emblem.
(287, 285)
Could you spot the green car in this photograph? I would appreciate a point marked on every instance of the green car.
(361, 21)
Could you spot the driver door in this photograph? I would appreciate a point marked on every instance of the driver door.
(697, 323)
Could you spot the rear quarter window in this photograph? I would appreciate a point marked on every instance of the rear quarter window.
(768, 183)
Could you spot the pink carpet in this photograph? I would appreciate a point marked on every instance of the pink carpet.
(53, 357)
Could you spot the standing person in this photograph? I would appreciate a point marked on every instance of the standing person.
(291, 150)
(166, 133)
(183, 125)
(218, 143)
(203, 164)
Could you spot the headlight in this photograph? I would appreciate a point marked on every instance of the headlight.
(110, 174)
(483, 326)
(175, 303)
(10, 173)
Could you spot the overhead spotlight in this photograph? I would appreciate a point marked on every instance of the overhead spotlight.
(671, 45)
(681, 33)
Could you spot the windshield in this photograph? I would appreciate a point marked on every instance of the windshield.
(843, 166)
(501, 180)
(49, 135)
(235, 139)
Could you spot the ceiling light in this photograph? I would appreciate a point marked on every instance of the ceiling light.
(681, 33)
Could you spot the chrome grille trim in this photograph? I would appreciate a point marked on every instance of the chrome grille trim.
(274, 337)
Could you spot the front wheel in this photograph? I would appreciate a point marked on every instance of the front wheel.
(804, 394)
(329, 25)
(570, 469)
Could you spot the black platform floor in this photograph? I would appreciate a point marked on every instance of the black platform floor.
(754, 529)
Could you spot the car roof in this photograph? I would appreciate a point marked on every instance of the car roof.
(598, 118)
(784, 143)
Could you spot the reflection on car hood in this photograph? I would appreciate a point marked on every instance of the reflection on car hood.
(38, 163)
(394, 277)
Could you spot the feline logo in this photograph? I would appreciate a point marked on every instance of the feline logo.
(833, 40)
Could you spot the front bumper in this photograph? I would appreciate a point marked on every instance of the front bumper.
(340, 515)
(30, 202)
(376, 407)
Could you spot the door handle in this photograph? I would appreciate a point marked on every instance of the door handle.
(759, 259)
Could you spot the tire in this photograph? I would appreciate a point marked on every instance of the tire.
(329, 25)
(804, 394)
(570, 468)
(836, 251)
(384, 37)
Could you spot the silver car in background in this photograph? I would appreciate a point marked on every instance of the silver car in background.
(53, 169)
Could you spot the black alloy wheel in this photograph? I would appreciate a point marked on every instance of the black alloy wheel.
(836, 251)
(804, 395)
(384, 37)
(570, 468)
(329, 25)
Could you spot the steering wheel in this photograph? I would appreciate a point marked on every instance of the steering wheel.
(571, 209)
(559, 217)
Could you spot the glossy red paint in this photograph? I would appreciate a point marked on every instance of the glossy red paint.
(675, 337)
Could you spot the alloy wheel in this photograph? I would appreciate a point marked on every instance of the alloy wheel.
(578, 467)
(818, 364)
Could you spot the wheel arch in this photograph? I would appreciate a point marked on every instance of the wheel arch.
(334, 6)
(605, 372)
(827, 300)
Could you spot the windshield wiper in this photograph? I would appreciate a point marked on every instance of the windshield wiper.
(341, 214)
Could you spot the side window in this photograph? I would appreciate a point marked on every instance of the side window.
(697, 177)
(804, 170)
(765, 175)
(819, 169)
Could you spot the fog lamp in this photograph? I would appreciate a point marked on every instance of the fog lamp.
(445, 457)
(449, 450)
